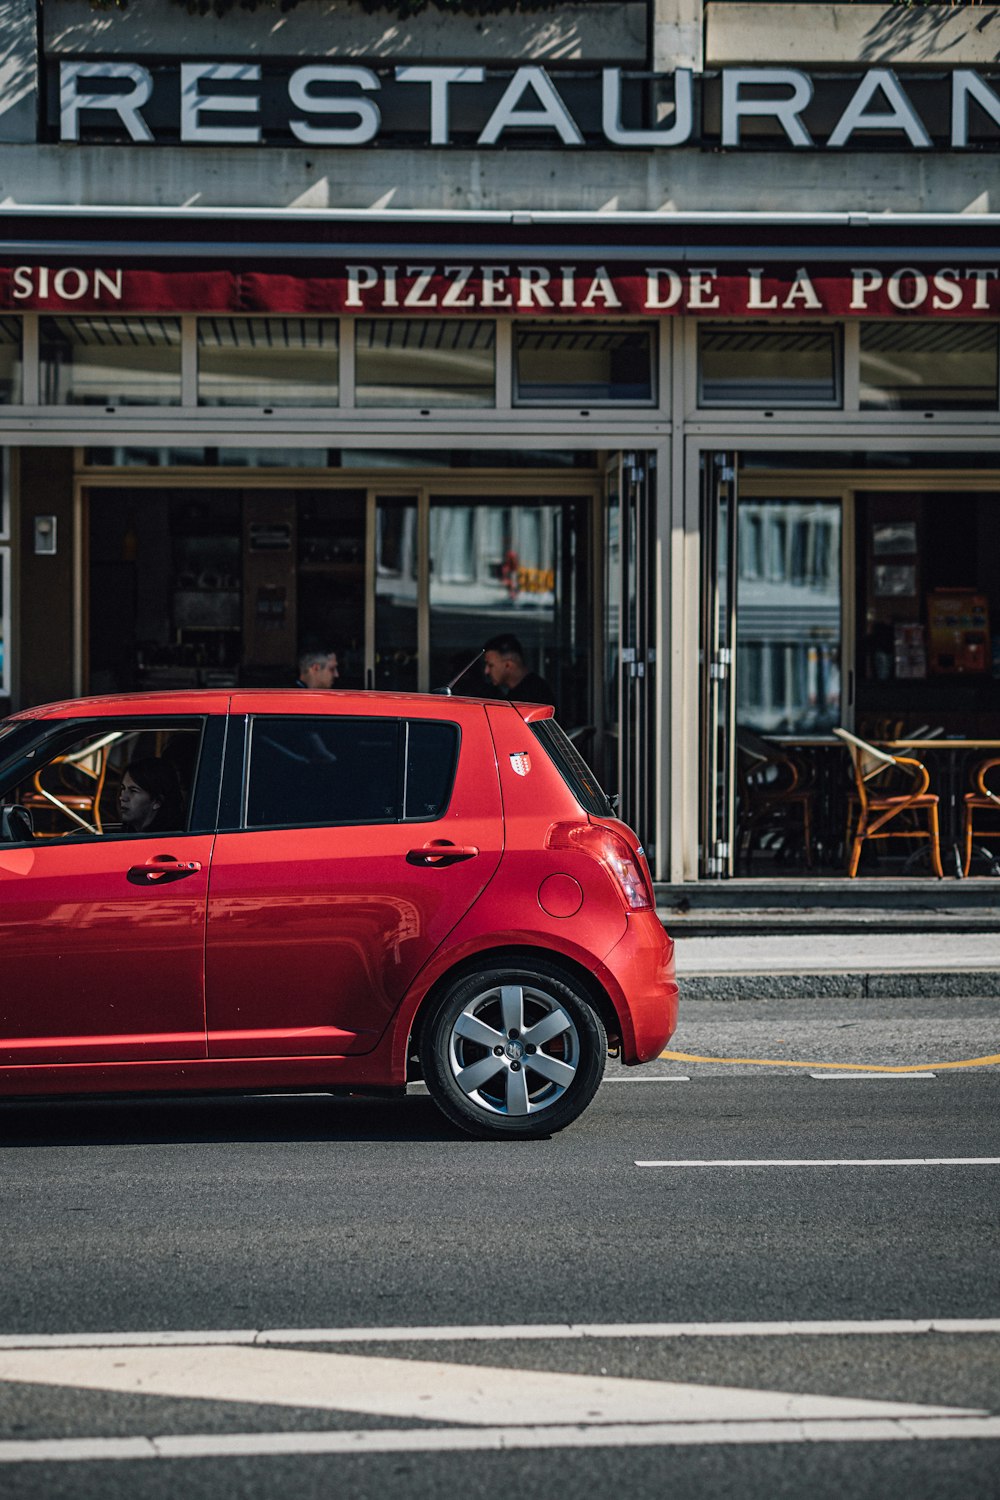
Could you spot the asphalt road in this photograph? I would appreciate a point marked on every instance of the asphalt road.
(277, 1223)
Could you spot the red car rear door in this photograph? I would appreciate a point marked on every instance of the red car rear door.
(328, 895)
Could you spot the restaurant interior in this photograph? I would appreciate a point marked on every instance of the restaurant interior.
(867, 715)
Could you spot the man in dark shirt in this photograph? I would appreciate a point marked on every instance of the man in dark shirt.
(317, 669)
(503, 664)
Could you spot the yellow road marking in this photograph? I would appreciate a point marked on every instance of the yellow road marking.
(776, 1062)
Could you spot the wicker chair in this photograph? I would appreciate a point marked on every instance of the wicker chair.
(984, 798)
(70, 786)
(875, 812)
(774, 793)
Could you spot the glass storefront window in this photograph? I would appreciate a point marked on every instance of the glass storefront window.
(111, 361)
(5, 622)
(750, 365)
(927, 593)
(396, 593)
(267, 362)
(135, 457)
(556, 365)
(10, 361)
(330, 578)
(788, 616)
(424, 363)
(929, 366)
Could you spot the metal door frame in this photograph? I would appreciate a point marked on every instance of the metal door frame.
(634, 473)
(718, 473)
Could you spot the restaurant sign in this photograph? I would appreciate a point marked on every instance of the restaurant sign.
(327, 104)
(539, 288)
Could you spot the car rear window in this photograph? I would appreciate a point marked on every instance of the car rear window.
(431, 756)
(572, 767)
(307, 771)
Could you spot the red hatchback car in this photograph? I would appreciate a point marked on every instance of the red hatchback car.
(280, 890)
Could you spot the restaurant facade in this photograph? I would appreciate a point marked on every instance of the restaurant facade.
(663, 336)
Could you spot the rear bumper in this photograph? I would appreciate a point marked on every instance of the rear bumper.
(638, 974)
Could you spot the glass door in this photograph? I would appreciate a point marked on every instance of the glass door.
(513, 565)
(772, 637)
(450, 571)
(788, 615)
(396, 604)
(791, 786)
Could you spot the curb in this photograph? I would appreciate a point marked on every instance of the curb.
(951, 984)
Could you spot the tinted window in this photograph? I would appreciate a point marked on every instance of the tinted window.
(14, 735)
(424, 362)
(572, 768)
(267, 361)
(324, 770)
(583, 363)
(111, 361)
(913, 366)
(431, 757)
(751, 365)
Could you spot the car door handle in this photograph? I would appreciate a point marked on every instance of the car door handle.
(162, 869)
(441, 852)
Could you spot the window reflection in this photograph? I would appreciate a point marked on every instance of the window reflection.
(517, 565)
(4, 621)
(396, 593)
(750, 365)
(788, 623)
(424, 362)
(910, 366)
(583, 363)
(267, 362)
(10, 360)
(111, 361)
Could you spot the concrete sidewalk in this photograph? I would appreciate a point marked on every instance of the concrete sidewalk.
(844, 965)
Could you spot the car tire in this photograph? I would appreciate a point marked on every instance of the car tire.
(516, 1051)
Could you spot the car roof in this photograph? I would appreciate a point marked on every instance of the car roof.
(264, 700)
(188, 701)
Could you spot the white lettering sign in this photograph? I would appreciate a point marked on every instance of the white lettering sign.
(786, 109)
(329, 105)
(125, 104)
(366, 111)
(194, 103)
(629, 290)
(67, 283)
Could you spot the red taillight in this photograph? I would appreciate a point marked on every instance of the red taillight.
(610, 850)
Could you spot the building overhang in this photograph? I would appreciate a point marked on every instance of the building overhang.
(241, 235)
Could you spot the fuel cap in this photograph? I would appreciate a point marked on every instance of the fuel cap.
(560, 895)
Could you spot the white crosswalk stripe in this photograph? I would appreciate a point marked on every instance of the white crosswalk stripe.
(458, 1407)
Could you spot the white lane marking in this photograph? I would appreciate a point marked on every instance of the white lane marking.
(500, 1332)
(427, 1390)
(813, 1161)
(366, 1441)
(824, 1076)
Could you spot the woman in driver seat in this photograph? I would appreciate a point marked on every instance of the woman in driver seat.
(150, 798)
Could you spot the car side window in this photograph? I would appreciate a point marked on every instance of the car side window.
(101, 779)
(308, 771)
(431, 758)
